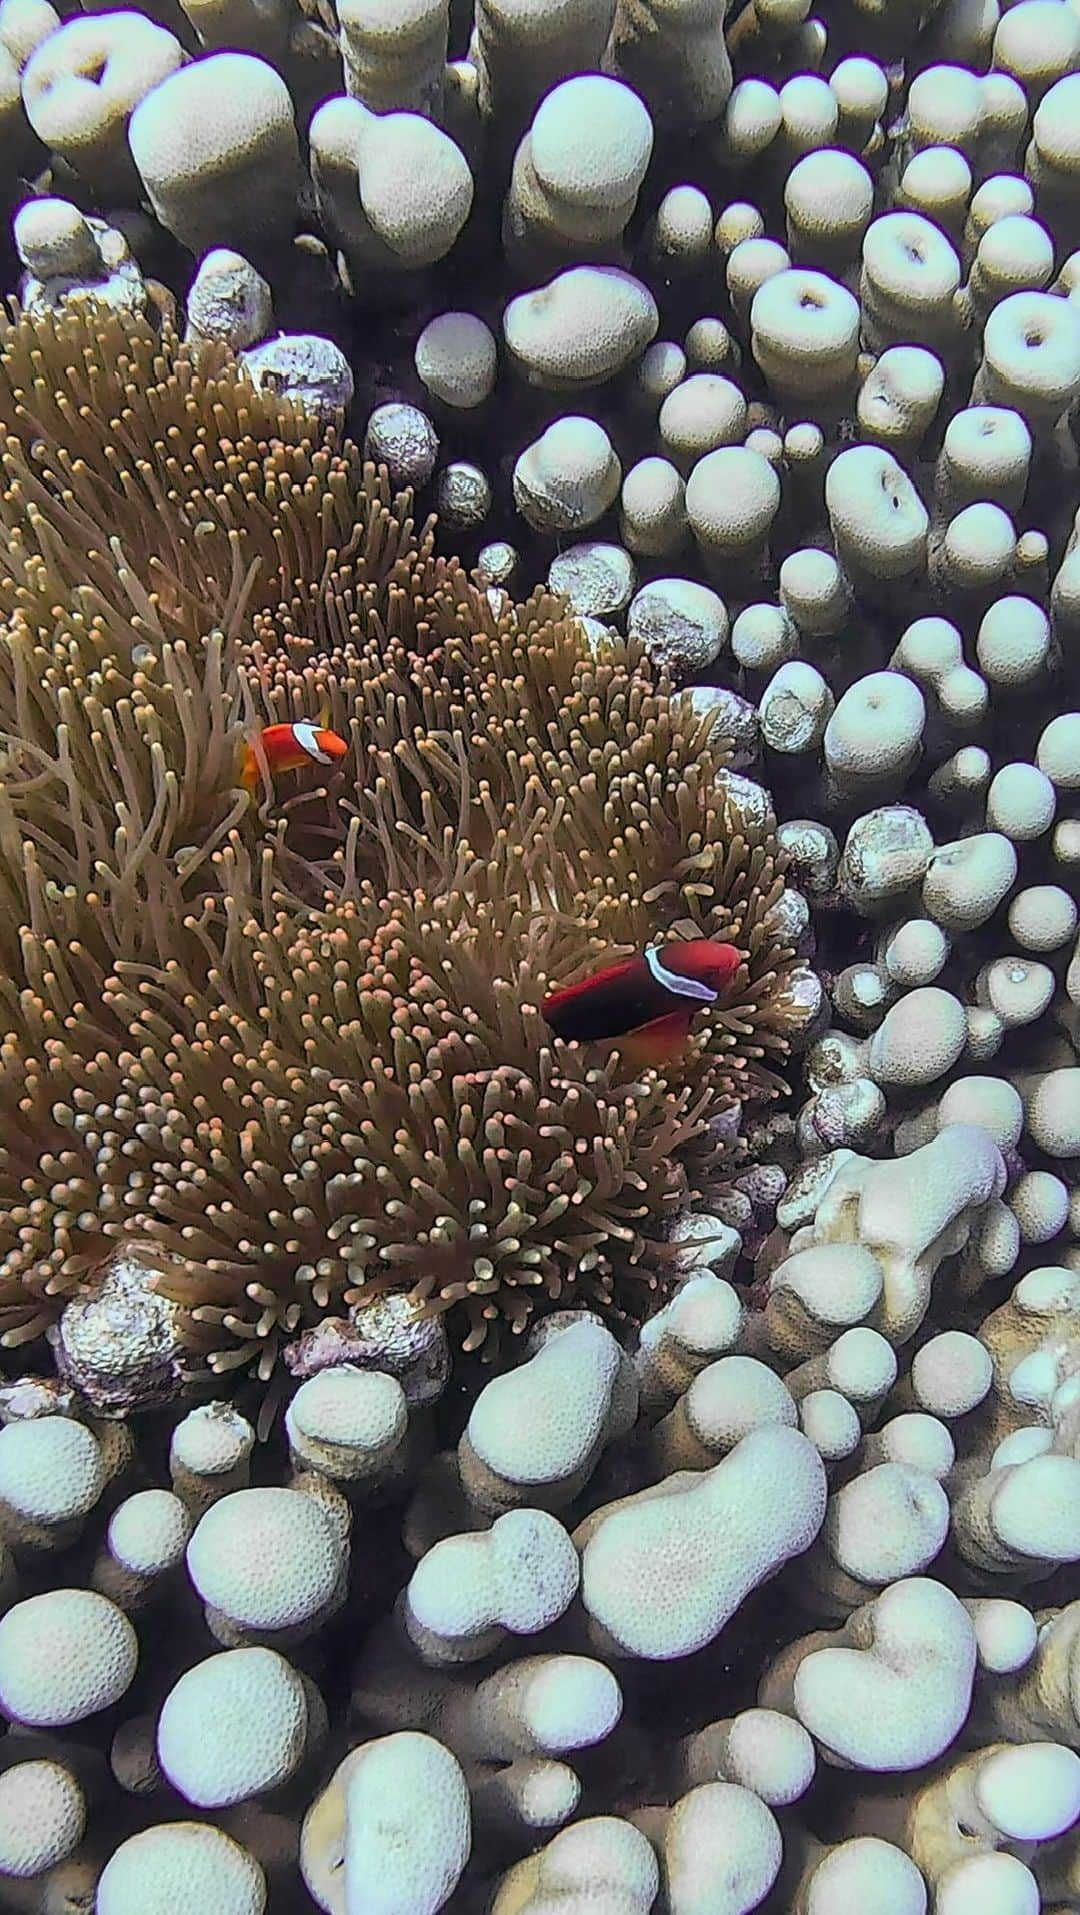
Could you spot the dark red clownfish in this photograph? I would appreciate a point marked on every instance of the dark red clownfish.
(647, 1002)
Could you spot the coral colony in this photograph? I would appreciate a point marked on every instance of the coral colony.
(539, 963)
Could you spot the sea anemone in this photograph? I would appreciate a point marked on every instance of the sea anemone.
(294, 1044)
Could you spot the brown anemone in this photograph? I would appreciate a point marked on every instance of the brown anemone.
(296, 1044)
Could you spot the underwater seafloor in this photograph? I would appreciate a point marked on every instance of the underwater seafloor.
(539, 976)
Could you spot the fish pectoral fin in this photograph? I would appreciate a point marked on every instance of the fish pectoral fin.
(658, 1042)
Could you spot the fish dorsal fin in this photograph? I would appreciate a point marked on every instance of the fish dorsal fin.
(679, 986)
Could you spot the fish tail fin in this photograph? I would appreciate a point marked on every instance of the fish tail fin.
(655, 1044)
(247, 775)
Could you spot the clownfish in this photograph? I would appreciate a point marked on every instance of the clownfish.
(288, 747)
(648, 1002)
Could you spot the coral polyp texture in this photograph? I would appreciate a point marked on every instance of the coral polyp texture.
(299, 1054)
(539, 965)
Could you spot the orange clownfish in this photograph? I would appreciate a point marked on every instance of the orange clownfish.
(288, 747)
(648, 1002)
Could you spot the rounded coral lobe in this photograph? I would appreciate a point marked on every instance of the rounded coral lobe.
(295, 1043)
